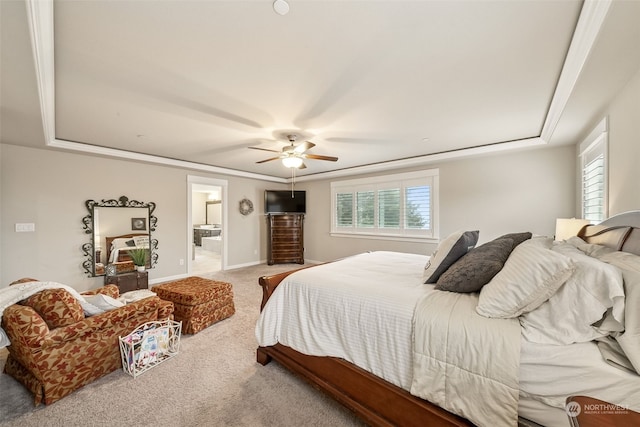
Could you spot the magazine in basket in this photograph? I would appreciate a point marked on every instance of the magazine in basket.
(149, 345)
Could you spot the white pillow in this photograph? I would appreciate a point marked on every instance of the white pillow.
(136, 295)
(569, 315)
(574, 241)
(141, 241)
(99, 303)
(629, 340)
(541, 241)
(530, 276)
(119, 243)
(448, 252)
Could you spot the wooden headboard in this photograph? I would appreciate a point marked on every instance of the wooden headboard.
(620, 232)
(124, 236)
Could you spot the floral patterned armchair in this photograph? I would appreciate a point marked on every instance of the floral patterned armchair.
(55, 349)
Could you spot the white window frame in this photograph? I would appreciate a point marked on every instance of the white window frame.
(596, 144)
(428, 177)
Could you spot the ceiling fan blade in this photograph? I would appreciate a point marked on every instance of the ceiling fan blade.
(318, 157)
(304, 147)
(268, 160)
(264, 149)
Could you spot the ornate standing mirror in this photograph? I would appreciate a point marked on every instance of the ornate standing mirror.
(116, 228)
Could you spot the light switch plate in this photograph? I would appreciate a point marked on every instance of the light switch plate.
(24, 227)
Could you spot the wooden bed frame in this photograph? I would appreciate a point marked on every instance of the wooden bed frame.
(380, 403)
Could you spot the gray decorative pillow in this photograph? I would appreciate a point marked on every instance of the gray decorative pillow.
(475, 269)
(449, 251)
(516, 237)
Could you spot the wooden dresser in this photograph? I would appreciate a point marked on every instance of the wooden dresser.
(285, 241)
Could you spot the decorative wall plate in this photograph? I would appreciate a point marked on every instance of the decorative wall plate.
(246, 206)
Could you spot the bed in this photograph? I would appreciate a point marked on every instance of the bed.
(383, 395)
(118, 246)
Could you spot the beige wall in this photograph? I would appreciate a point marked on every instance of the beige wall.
(49, 188)
(496, 194)
(624, 149)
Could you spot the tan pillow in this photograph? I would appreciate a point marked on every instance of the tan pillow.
(57, 307)
(531, 275)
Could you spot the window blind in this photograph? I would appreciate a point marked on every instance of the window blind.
(401, 205)
(593, 189)
(344, 212)
(417, 213)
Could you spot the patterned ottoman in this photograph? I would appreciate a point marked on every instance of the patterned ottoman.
(198, 302)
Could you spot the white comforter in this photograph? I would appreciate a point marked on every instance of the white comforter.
(323, 311)
(466, 363)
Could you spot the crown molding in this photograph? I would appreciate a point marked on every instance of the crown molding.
(424, 160)
(40, 18)
(590, 22)
(148, 158)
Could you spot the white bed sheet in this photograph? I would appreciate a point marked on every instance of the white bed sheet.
(550, 373)
(391, 284)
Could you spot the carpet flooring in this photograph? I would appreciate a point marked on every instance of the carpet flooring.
(213, 381)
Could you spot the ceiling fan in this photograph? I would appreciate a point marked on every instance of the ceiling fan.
(293, 156)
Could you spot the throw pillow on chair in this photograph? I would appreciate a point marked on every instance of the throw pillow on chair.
(57, 307)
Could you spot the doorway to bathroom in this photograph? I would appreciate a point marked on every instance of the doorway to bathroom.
(207, 225)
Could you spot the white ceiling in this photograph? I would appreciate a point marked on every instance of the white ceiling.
(370, 82)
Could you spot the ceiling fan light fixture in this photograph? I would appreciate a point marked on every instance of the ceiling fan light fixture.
(292, 162)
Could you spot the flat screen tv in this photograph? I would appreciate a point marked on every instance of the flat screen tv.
(284, 201)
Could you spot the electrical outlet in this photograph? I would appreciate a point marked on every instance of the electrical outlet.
(181, 261)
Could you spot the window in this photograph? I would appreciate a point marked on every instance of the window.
(398, 207)
(593, 160)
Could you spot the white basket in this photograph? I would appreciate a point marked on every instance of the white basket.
(149, 345)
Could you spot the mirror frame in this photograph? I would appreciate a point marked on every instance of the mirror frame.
(89, 264)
